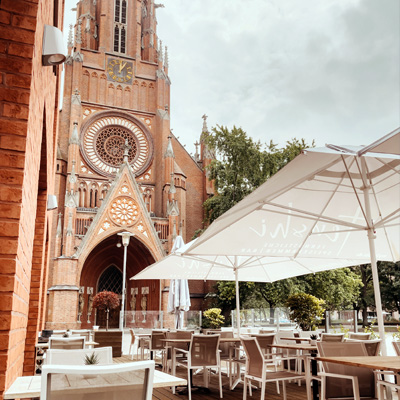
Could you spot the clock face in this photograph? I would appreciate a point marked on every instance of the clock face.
(120, 71)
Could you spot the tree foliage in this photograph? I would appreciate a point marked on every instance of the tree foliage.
(242, 165)
(305, 310)
(214, 317)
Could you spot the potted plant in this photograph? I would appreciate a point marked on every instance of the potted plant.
(90, 359)
(106, 301)
(313, 338)
(214, 317)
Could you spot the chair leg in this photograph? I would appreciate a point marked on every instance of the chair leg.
(323, 388)
(262, 397)
(189, 385)
(244, 387)
(284, 390)
(356, 389)
(250, 388)
(220, 383)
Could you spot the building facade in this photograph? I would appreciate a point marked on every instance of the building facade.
(119, 168)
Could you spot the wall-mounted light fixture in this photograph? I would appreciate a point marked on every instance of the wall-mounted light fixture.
(51, 202)
(54, 51)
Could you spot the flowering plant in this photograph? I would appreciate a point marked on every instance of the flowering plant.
(106, 301)
(396, 335)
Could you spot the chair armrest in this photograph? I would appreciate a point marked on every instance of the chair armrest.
(180, 350)
(337, 375)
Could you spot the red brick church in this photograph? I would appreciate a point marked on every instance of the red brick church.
(116, 107)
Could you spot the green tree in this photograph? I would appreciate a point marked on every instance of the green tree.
(242, 165)
(389, 277)
(305, 310)
(366, 297)
(339, 288)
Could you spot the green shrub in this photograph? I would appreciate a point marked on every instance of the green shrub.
(305, 310)
(214, 317)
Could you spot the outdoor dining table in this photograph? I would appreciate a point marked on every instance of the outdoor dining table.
(309, 359)
(29, 386)
(297, 339)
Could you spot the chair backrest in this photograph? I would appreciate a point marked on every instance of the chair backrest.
(102, 382)
(307, 334)
(265, 341)
(77, 357)
(204, 350)
(396, 346)
(156, 338)
(281, 334)
(254, 356)
(372, 346)
(70, 343)
(332, 337)
(226, 347)
(82, 332)
(337, 388)
(359, 335)
(209, 331)
(266, 331)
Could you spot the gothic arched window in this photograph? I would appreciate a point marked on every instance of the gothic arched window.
(110, 280)
(120, 26)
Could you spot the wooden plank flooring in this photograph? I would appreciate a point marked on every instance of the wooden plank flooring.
(294, 392)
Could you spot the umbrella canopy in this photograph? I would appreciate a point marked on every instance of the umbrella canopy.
(234, 268)
(179, 296)
(327, 205)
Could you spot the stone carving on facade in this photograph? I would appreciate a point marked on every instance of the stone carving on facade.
(76, 97)
(74, 139)
(143, 302)
(81, 302)
(70, 232)
(90, 303)
(134, 293)
(71, 199)
(73, 178)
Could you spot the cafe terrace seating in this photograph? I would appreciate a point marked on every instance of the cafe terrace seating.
(257, 369)
(342, 381)
(203, 353)
(103, 382)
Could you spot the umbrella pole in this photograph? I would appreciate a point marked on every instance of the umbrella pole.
(375, 275)
(237, 301)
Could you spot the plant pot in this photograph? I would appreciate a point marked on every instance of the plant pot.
(96, 327)
(313, 342)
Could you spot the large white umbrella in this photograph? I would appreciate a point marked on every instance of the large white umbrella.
(179, 296)
(327, 205)
(178, 265)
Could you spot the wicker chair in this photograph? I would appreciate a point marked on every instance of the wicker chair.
(341, 381)
(77, 357)
(257, 369)
(102, 382)
(332, 337)
(359, 335)
(203, 353)
(70, 343)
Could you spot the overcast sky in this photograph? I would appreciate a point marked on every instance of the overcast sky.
(280, 69)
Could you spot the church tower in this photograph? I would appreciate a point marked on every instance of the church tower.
(119, 167)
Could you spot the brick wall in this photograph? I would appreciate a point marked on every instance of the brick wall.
(28, 93)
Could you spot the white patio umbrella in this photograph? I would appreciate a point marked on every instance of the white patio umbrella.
(179, 296)
(178, 265)
(327, 205)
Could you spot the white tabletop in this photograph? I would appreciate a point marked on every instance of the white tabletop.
(29, 386)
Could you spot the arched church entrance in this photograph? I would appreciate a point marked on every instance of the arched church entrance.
(103, 271)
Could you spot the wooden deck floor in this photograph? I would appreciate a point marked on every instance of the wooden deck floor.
(294, 392)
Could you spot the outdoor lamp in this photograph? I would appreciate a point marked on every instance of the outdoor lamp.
(51, 202)
(53, 50)
(126, 236)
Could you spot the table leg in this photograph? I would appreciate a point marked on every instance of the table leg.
(314, 372)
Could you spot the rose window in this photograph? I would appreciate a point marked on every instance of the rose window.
(124, 211)
(103, 138)
(110, 145)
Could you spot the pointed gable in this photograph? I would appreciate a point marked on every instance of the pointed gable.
(123, 209)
